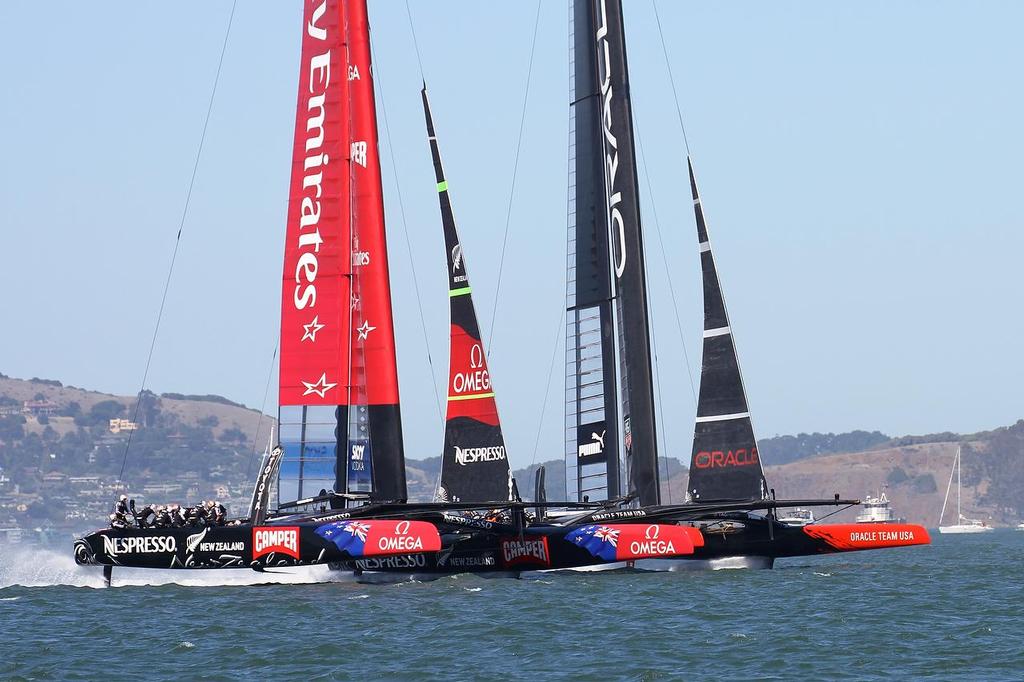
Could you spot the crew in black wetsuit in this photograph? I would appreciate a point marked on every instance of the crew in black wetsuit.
(195, 515)
(117, 521)
(121, 506)
(145, 516)
(220, 514)
(162, 518)
(177, 518)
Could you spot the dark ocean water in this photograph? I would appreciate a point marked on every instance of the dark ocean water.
(949, 611)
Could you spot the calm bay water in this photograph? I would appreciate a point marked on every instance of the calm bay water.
(949, 611)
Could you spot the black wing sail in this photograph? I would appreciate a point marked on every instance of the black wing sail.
(591, 410)
(627, 252)
(725, 464)
(474, 466)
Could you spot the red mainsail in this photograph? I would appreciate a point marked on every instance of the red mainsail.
(340, 424)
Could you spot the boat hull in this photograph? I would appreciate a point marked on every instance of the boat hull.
(964, 530)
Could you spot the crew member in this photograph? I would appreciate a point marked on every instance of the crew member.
(121, 506)
(220, 514)
(117, 521)
(145, 516)
(162, 519)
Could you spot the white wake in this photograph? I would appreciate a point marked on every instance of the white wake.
(29, 566)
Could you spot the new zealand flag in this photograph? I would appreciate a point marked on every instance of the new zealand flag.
(601, 541)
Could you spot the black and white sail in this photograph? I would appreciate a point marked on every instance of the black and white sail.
(474, 465)
(725, 464)
(609, 388)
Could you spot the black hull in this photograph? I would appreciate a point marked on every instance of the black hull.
(443, 542)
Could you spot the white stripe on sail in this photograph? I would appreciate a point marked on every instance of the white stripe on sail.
(722, 417)
(705, 246)
(719, 331)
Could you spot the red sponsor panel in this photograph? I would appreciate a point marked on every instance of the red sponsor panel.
(635, 541)
(315, 293)
(849, 537)
(387, 537)
(275, 539)
(532, 551)
(372, 324)
(470, 393)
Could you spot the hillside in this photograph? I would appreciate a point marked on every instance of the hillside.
(62, 448)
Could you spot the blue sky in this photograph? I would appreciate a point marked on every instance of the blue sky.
(859, 164)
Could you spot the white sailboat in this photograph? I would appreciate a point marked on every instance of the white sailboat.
(963, 524)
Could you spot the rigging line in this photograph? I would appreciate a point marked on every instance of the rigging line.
(177, 240)
(512, 189)
(671, 79)
(664, 259)
(547, 385)
(263, 408)
(405, 230)
(663, 431)
(415, 43)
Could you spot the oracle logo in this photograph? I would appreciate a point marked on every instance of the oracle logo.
(615, 220)
(714, 459)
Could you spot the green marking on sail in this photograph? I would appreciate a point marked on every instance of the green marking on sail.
(459, 292)
(475, 396)
(442, 186)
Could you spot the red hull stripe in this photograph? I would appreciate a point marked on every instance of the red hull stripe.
(850, 537)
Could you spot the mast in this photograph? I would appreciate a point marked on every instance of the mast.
(340, 426)
(724, 464)
(474, 465)
(959, 514)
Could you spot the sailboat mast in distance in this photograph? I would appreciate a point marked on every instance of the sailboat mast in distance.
(474, 466)
(339, 416)
(605, 182)
(724, 464)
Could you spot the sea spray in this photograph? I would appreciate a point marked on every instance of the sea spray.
(32, 566)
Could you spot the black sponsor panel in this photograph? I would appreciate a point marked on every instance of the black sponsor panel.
(725, 464)
(474, 466)
(591, 443)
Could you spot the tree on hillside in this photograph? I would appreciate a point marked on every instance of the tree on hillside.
(106, 410)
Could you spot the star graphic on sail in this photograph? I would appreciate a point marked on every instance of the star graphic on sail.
(320, 386)
(364, 330)
(311, 329)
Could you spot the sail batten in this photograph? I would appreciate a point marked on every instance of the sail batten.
(724, 464)
(474, 464)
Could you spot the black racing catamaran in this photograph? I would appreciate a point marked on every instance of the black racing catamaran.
(728, 498)
(339, 465)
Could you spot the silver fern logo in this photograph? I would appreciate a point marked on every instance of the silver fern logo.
(456, 258)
